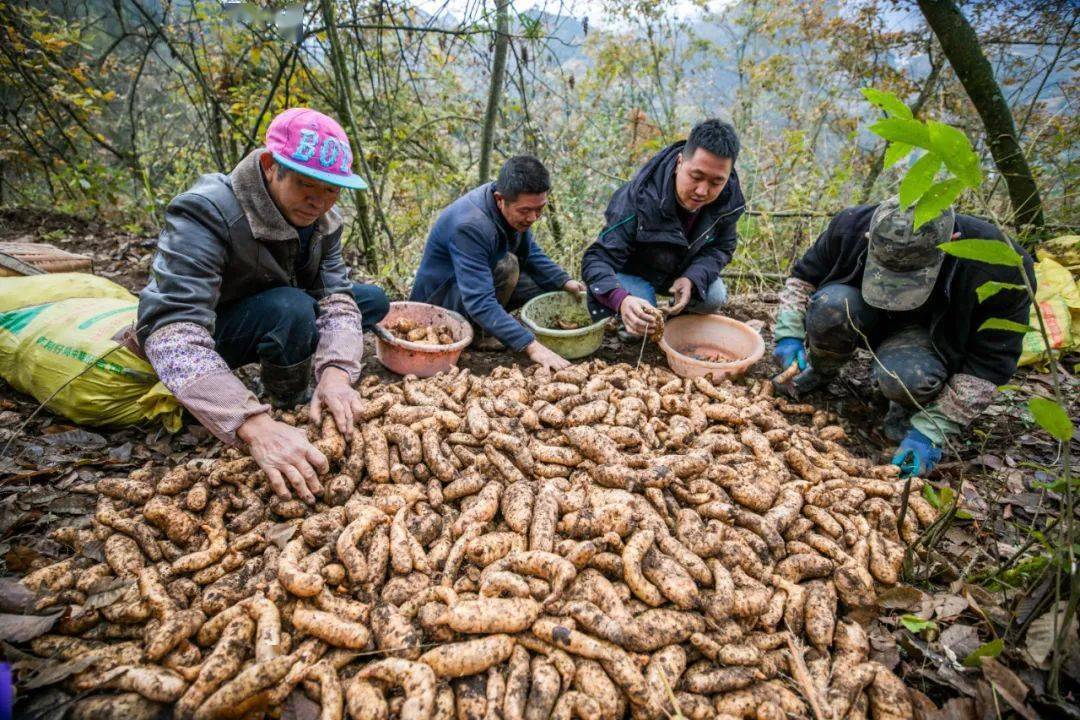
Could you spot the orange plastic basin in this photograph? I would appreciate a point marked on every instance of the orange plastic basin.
(691, 341)
(410, 358)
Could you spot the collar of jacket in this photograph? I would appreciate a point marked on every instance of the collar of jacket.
(653, 190)
(493, 211)
(266, 221)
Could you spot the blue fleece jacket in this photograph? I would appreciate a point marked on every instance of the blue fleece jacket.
(464, 245)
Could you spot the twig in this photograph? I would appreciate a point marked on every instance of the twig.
(644, 339)
(802, 676)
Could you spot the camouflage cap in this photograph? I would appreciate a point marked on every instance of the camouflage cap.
(902, 264)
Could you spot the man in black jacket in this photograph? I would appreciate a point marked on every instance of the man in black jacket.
(871, 280)
(671, 228)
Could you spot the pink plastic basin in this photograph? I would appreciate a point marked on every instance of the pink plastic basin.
(410, 358)
(710, 335)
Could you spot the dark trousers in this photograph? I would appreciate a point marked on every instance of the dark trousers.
(838, 322)
(513, 288)
(277, 326)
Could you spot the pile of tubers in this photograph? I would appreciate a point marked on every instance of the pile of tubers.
(408, 329)
(597, 543)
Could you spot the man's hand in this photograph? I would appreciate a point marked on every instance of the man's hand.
(574, 286)
(680, 295)
(637, 314)
(917, 455)
(284, 454)
(789, 350)
(541, 355)
(334, 393)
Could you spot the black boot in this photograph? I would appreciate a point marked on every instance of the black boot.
(288, 386)
(897, 422)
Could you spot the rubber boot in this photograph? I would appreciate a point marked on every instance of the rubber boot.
(897, 422)
(288, 386)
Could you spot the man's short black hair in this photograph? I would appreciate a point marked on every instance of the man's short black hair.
(715, 136)
(522, 174)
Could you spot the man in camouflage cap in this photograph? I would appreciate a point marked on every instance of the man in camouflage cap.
(872, 280)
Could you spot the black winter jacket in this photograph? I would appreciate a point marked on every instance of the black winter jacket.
(839, 257)
(643, 235)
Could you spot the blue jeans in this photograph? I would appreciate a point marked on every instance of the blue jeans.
(715, 296)
(277, 326)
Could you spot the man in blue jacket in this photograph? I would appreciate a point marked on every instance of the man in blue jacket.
(671, 228)
(482, 260)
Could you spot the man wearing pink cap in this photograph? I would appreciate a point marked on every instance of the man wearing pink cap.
(249, 269)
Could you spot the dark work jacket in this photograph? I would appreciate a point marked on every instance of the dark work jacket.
(224, 239)
(643, 235)
(464, 245)
(839, 257)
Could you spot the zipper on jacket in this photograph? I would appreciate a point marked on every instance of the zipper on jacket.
(934, 323)
(707, 230)
(293, 281)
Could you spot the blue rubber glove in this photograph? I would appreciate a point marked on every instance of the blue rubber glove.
(788, 350)
(917, 455)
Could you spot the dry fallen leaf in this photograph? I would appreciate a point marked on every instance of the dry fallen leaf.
(1009, 686)
(1039, 641)
(299, 707)
(948, 605)
(14, 596)
(84, 439)
(281, 533)
(901, 597)
(955, 709)
(959, 641)
(50, 673)
(20, 628)
(109, 593)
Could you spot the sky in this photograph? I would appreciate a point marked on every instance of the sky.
(593, 9)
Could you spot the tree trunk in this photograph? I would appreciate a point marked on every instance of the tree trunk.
(961, 46)
(498, 76)
(344, 84)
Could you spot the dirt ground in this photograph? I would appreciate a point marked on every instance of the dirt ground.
(958, 599)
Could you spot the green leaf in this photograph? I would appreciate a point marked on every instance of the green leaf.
(943, 500)
(991, 288)
(896, 152)
(1003, 324)
(932, 496)
(948, 499)
(990, 649)
(937, 198)
(1051, 417)
(992, 252)
(919, 178)
(955, 149)
(911, 132)
(916, 624)
(888, 102)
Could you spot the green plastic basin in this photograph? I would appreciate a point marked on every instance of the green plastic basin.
(541, 314)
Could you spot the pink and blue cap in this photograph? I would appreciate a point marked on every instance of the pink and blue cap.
(314, 145)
